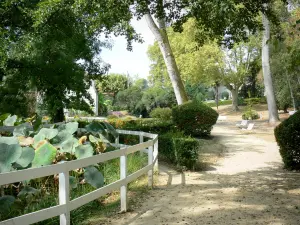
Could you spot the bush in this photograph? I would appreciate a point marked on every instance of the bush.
(179, 149)
(194, 118)
(254, 101)
(288, 138)
(225, 95)
(150, 125)
(161, 113)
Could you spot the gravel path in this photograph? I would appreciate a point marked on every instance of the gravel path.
(247, 186)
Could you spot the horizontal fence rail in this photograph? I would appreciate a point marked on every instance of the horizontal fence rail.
(65, 205)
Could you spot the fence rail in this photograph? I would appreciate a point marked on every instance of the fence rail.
(65, 205)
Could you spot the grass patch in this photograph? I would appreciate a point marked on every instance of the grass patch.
(213, 104)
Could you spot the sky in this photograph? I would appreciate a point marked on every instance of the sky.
(135, 62)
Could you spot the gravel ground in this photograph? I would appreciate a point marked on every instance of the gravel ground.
(246, 186)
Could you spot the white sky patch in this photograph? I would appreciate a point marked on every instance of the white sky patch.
(135, 62)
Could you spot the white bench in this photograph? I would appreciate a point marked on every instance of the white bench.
(242, 124)
(250, 127)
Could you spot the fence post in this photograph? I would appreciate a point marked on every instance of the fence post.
(123, 189)
(64, 193)
(141, 141)
(150, 162)
(155, 154)
(117, 141)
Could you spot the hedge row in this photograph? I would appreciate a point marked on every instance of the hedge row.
(288, 138)
(179, 149)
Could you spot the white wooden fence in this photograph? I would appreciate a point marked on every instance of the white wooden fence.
(65, 205)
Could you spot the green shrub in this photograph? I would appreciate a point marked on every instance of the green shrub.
(225, 95)
(250, 114)
(288, 138)
(151, 125)
(194, 118)
(161, 113)
(179, 149)
(213, 104)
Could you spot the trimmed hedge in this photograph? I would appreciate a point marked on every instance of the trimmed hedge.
(179, 149)
(174, 147)
(288, 138)
(194, 118)
(161, 113)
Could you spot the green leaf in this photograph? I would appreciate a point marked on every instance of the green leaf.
(8, 155)
(84, 151)
(111, 129)
(21, 130)
(45, 133)
(61, 137)
(26, 157)
(6, 202)
(103, 139)
(44, 155)
(71, 127)
(95, 127)
(10, 121)
(69, 145)
(94, 139)
(93, 176)
(73, 182)
(3, 117)
(27, 190)
(9, 140)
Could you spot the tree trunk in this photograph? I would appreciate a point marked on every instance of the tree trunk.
(161, 37)
(273, 112)
(59, 116)
(234, 93)
(217, 94)
(291, 92)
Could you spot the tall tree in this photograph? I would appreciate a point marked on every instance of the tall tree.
(50, 46)
(225, 20)
(269, 90)
(112, 84)
(238, 62)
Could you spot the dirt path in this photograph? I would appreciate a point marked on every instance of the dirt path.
(248, 186)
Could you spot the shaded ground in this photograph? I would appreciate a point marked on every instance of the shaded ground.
(247, 186)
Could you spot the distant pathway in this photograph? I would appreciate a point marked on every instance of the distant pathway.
(248, 186)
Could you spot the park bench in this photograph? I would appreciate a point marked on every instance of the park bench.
(242, 124)
(250, 127)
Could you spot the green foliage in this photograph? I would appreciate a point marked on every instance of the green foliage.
(250, 115)
(225, 95)
(93, 176)
(26, 157)
(5, 202)
(155, 126)
(179, 149)
(112, 83)
(44, 155)
(84, 151)
(254, 101)
(194, 118)
(288, 138)
(8, 155)
(161, 113)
